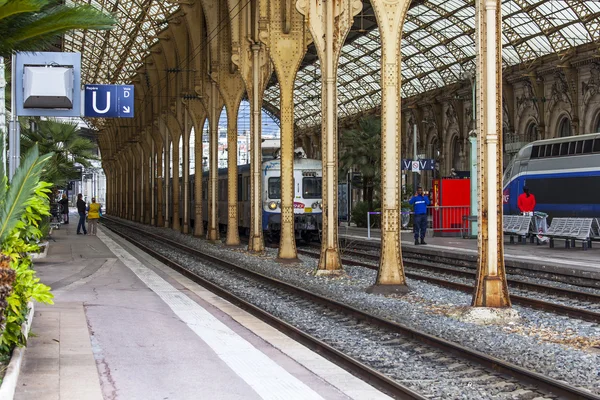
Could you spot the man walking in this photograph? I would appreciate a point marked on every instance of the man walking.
(420, 203)
(81, 211)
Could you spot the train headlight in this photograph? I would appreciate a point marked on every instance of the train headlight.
(272, 205)
(316, 204)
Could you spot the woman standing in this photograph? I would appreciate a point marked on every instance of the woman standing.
(64, 204)
(94, 212)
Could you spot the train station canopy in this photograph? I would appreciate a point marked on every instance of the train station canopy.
(437, 48)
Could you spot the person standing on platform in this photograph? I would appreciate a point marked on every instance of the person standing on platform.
(420, 203)
(81, 211)
(526, 202)
(94, 213)
(64, 204)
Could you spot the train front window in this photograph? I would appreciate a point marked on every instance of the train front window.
(275, 188)
(312, 188)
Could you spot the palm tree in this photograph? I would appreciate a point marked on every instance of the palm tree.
(361, 148)
(64, 141)
(34, 25)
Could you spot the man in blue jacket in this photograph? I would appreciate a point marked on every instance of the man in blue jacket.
(420, 203)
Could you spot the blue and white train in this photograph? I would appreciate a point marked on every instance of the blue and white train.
(307, 198)
(563, 174)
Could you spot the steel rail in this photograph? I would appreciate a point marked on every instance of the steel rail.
(409, 261)
(555, 308)
(464, 260)
(524, 375)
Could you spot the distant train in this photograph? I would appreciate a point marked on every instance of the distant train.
(563, 174)
(307, 198)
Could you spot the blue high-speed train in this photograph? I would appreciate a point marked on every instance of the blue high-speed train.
(563, 174)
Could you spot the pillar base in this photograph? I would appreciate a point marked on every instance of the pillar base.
(186, 229)
(330, 260)
(256, 244)
(490, 315)
(330, 273)
(385, 290)
(213, 235)
(493, 294)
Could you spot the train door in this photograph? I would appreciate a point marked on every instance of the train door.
(522, 177)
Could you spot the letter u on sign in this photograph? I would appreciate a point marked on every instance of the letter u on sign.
(95, 103)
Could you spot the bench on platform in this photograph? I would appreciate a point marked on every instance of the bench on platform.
(516, 225)
(572, 229)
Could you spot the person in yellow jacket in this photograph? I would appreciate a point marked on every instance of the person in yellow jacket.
(94, 213)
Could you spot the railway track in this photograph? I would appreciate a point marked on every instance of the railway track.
(588, 304)
(467, 261)
(466, 369)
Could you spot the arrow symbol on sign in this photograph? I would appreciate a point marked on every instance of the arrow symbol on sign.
(126, 109)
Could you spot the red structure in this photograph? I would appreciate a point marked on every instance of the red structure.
(450, 202)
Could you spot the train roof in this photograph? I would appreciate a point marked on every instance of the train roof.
(567, 139)
(525, 152)
(299, 163)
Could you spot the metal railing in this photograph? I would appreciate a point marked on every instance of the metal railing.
(441, 220)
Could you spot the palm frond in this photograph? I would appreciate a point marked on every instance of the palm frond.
(64, 19)
(22, 186)
(15, 7)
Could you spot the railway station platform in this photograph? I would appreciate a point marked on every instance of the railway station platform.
(125, 326)
(571, 261)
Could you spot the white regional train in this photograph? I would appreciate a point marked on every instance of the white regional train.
(307, 198)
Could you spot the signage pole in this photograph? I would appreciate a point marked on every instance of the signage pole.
(14, 142)
(414, 158)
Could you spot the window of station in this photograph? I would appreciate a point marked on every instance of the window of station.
(564, 129)
(312, 187)
(274, 188)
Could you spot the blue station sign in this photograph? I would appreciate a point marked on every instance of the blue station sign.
(418, 165)
(109, 101)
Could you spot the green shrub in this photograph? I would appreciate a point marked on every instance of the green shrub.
(359, 215)
(23, 205)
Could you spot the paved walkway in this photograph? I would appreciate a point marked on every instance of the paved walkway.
(124, 326)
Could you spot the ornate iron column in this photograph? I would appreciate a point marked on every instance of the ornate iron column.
(491, 289)
(176, 224)
(390, 19)
(213, 144)
(329, 22)
(186, 172)
(287, 41)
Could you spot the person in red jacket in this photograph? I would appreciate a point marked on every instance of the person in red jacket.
(526, 201)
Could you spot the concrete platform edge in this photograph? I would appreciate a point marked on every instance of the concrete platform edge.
(9, 384)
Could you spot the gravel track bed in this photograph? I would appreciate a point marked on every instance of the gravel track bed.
(518, 278)
(557, 299)
(407, 361)
(531, 276)
(553, 345)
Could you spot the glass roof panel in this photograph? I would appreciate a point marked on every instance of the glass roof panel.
(114, 56)
(438, 45)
